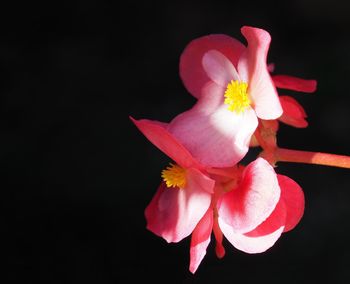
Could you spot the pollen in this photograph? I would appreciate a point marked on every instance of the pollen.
(174, 176)
(236, 96)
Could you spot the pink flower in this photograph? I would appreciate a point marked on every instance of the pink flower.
(251, 207)
(293, 113)
(185, 194)
(234, 88)
(253, 215)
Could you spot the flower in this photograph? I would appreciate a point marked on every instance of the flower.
(185, 193)
(234, 89)
(183, 203)
(252, 215)
(204, 190)
(250, 206)
(293, 113)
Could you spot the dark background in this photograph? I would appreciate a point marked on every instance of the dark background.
(77, 175)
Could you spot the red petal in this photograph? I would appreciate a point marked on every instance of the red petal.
(253, 69)
(261, 238)
(293, 113)
(200, 240)
(293, 197)
(294, 83)
(247, 206)
(215, 136)
(219, 248)
(174, 213)
(158, 135)
(191, 68)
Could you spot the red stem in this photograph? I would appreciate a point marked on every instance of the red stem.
(295, 156)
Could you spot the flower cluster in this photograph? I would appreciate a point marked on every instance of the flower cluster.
(206, 189)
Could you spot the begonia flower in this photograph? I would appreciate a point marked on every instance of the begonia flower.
(233, 87)
(185, 193)
(264, 205)
(204, 192)
(293, 113)
(252, 215)
(191, 200)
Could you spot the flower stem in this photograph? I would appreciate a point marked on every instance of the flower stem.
(316, 158)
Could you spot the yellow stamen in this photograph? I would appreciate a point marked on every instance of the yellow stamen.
(174, 176)
(236, 96)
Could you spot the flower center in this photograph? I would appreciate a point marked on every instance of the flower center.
(174, 176)
(236, 96)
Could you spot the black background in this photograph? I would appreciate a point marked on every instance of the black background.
(77, 175)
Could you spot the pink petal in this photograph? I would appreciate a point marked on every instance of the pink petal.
(250, 244)
(275, 221)
(200, 240)
(200, 180)
(246, 207)
(293, 113)
(219, 68)
(174, 213)
(294, 83)
(253, 69)
(215, 136)
(261, 238)
(293, 197)
(156, 132)
(191, 69)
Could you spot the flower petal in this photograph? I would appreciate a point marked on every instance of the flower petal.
(218, 68)
(192, 72)
(200, 240)
(174, 213)
(294, 83)
(156, 132)
(293, 197)
(261, 238)
(275, 221)
(215, 136)
(246, 207)
(293, 113)
(253, 69)
(250, 244)
(201, 180)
